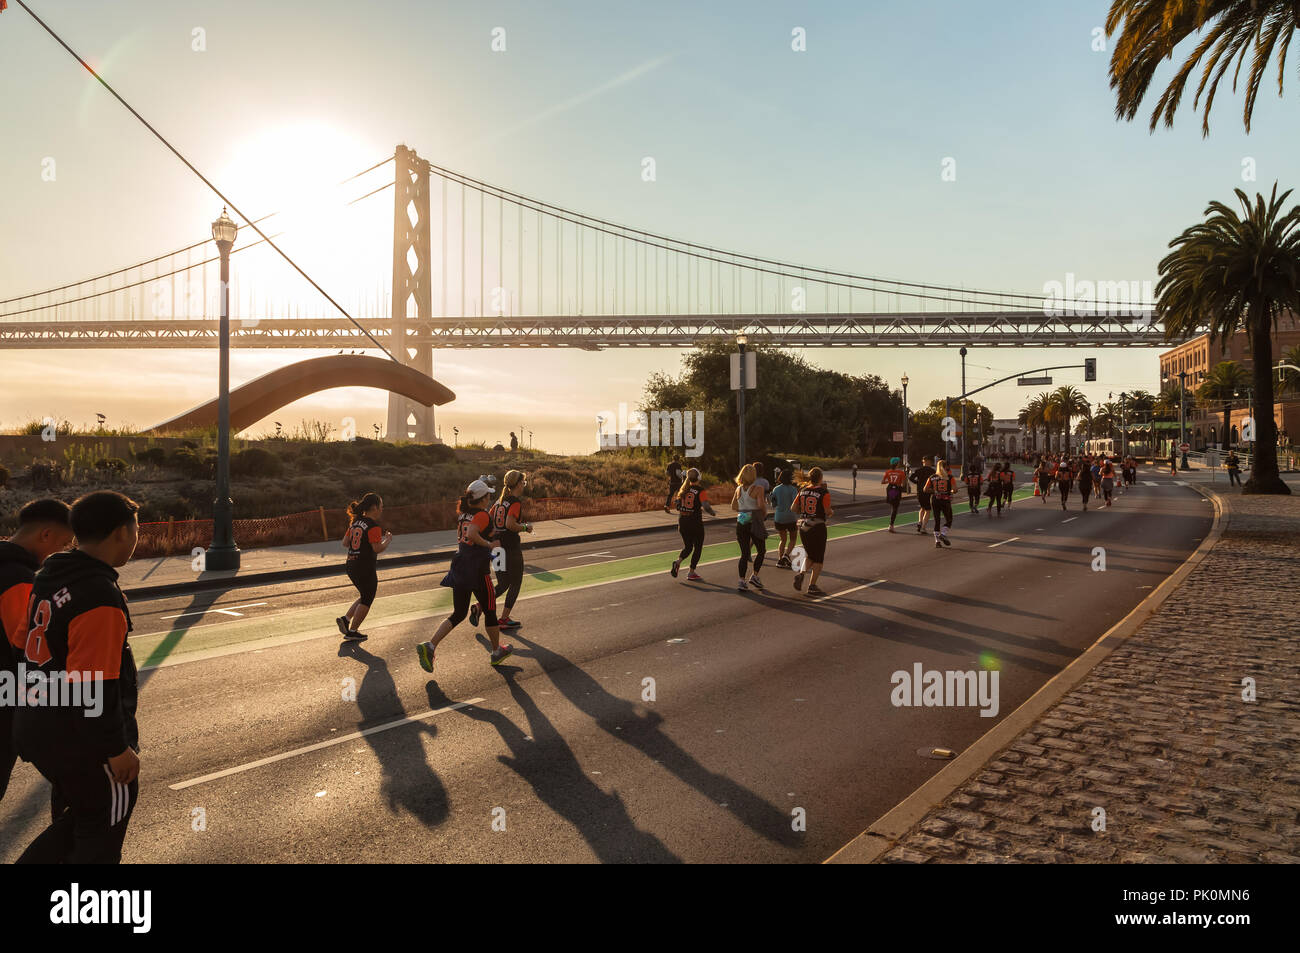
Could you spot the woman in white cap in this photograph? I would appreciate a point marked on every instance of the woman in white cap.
(470, 576)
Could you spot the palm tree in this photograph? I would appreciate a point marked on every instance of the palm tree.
(1067, 402)
(1106, 419)
(1032, 416)
(1291, 379)
(1233, 272)
(1152, 28)
(1221, 385)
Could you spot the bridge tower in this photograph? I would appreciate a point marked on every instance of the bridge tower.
(412, 293)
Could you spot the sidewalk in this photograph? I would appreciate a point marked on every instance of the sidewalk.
(157, 575)
(1157, 735)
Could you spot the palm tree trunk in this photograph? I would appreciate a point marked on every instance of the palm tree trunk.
(1264, 476)
(1227, 419)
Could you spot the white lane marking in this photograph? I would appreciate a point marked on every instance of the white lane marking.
(1003, 543)
(228, 610)
(1150, 483)
(845, 592)
(320, 744)
(1180, 483)
(1070, 520)
(588, 555)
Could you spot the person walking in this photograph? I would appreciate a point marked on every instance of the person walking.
(364, 541)
(470, 576)
(1085, 481)
(78, 622)
(813, 504)
(895, 480)
(674, 472)
(1043, 475)
(973, 479)
(750, 504)
(920, 479)
(1107, 481)
(1173, 461)
(783, 516)
(1064, 480)
(941, 487)
(1234, 468)
(1008, 478)
(995, 490)
(691, 503)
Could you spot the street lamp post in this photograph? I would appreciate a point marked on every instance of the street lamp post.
(905, 422)
(223, 553)
(741, 341)
(963, 411)
(1123, 426)
(1182, 417)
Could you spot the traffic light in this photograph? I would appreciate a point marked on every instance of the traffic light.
(1089, 368)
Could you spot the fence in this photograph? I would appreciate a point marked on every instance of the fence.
(176, 537)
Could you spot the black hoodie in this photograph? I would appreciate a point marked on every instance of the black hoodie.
(78, 622)
(17, 570)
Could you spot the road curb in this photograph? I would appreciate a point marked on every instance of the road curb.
(336, 568)
(868, 846)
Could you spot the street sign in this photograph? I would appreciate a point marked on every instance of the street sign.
(898, 436)
(1184, 447)
(1033, 381)
(751, 370)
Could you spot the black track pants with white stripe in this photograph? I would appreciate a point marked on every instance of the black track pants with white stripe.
(90, 813)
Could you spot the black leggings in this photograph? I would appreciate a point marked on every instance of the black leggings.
(942, 508)
(483, 593)
(894, 500)
(366, 579)
(512, 577)
(974, 495)
(1085, 491)
(746, 539)
(995, 497)
(90, 814)
(692, 531)
(1064, 487)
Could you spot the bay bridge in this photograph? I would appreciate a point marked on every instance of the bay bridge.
(476, 265)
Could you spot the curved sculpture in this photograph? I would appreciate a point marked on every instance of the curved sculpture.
(264, 395)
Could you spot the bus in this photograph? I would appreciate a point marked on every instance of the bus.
(1106, 446)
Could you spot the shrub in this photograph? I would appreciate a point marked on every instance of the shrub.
(256, 462)
(114, 464)
(4, 475)
(156, 456)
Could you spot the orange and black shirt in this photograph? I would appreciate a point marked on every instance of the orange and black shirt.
(1008, 477)
(974, 481)
(363, 536)
(942, 489)
(1064, 474)
(77, 623)
(17, 570)
(812, 505)
(497, 515)
(690, 505)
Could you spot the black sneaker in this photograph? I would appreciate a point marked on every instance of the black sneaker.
(938, 545)
(676, 565)
(814, 592)
(945, 540)
(352, 635)
(509, 624)
(798, 581)
(342, 622)
(473, 615)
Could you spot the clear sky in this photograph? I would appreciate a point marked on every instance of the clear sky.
(830, 157)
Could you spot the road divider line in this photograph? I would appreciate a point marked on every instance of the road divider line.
(239, 769)
(1070, 520)
(1003, 543)
(845, 592)
(228, 610)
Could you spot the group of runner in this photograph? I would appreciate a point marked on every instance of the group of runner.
(1094, 475)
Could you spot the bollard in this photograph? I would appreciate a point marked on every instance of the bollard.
(324, 533)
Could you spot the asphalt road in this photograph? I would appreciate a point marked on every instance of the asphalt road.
(764, 703)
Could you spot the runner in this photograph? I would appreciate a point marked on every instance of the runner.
(77, 622)
(1008, 486)
(1044, 477)
(787, 523)
(814, 508)
(505, 516)
(1095, 470)
(941, 486)
(1064, 478)
(920, 476)
(1085, 481)
(1107, 480)
(364, 541)
(470, 576)
(896, 478)
(995, 490)
(43, 530)
(749, 503)
(973, 480)
(691, 503)
(1173, 462)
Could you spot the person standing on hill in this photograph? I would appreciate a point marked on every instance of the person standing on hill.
(514, 442)
(674, 482)
(364, 541)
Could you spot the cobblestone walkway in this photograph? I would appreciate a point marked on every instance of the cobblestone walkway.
(1158, 735)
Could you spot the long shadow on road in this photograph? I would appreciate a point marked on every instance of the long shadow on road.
(622, 720)
(552, 769)
(409, 783)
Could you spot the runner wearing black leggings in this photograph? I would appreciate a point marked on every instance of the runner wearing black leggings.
(505, 516)
(691, 503)
(1064, 479)
(1085, 481)
(813, 504)
(470, 576)
(941, 487)
(750, 505)
(895, 479)
(995, 490)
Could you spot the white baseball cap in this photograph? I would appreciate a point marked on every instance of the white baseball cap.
(477, 490)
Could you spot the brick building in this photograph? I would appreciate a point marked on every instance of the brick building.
(1197, 356)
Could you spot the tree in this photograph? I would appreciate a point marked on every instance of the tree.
(1221, 385)
(1150, 29)
(1034, 415)
(1234, 271)
(1291, 379)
